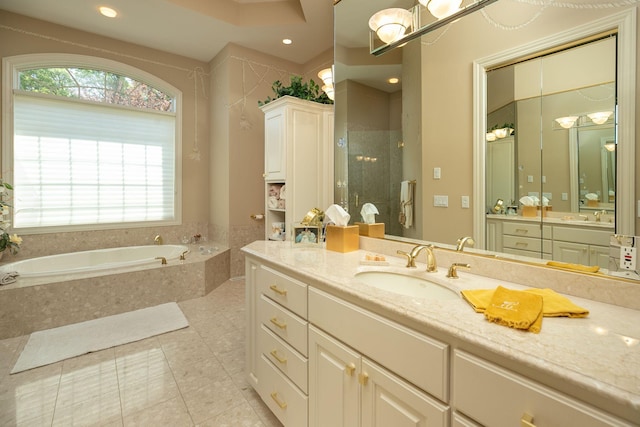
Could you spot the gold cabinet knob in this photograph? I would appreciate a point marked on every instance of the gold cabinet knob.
(350, 369)
(527, 420)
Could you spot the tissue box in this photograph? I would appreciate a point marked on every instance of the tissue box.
(593, 203)
(371, 230)
(529, 211)
(342, 239)
(544, 209)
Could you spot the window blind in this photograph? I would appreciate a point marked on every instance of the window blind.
(81, 163)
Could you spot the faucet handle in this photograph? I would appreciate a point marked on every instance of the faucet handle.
(453, 270)
(411, 263)
(182, 255)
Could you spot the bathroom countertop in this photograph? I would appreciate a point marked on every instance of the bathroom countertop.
(556, 220)
(599, 354)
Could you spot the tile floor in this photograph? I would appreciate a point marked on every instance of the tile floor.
(190, 377)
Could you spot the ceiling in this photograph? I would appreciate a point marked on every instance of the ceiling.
(198, 29)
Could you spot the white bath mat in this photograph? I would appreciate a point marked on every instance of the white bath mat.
(52, 345)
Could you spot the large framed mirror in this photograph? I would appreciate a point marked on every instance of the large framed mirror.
(440, 117)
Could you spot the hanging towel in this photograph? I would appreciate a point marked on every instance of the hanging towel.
(515, 309)
(406, 204)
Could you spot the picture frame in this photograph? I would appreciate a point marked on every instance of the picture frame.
(306, 235)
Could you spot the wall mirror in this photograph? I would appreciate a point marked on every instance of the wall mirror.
(413, 138)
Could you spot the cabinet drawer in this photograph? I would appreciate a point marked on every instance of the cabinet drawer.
(284, 357)
(527, 244)
(582, 235)
(417, 358)
(283, 323)
(284, 399)
(287, 291)
(525, 229)
(496, 397)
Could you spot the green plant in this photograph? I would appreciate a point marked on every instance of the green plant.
(309, 91)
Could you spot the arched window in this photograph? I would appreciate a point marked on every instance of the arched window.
(93, 144)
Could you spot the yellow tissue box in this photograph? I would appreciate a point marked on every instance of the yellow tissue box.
(342, 239)
(529, 211)
(593, 203)
(371, 230)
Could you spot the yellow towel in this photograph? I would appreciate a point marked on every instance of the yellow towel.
(553, 305)
(574, 267)
(515, 309)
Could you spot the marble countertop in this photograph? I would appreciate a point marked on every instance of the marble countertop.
(561, 219)
(599, 354)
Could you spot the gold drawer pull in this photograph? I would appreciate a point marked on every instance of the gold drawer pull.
(279, 324)
(276, 356)
(350, 369)
(525, 244)
(277, 290)
(363, 378)
(521, 230)
(526, 421)
(281, 404)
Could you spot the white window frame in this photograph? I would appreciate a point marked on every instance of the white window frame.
(12, 66)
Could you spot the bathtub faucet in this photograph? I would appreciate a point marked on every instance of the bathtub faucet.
(164, 260)
(157, 240)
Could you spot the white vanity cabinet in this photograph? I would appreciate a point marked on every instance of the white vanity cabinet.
(348, 388)
(298, 155)
(581, 246)
(494, 396)
(276, 359)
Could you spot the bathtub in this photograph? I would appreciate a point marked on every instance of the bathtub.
(98, 260)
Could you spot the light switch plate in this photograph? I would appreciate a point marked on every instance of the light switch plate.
(441, 201)
(464, 201)
(437, 173)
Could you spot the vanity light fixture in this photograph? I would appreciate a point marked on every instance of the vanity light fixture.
(491, 136)
(326, 76)
(442, 8)
(107, 11)
(391, 24)
(567, 122)
(502, 133)
(600, 117)
(610, 146)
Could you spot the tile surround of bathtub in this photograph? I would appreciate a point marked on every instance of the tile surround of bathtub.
(241, 235)
(607, 289)
(70, 300)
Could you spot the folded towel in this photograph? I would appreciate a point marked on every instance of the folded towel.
(8, 278)
(515, 309)
(554, 304)
(575, 267)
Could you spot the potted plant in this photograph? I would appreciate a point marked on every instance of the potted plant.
(309, 91)
(7, 241)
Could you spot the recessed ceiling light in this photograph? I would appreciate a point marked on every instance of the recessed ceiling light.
(287, 41)
(108, 12)
(393, 80)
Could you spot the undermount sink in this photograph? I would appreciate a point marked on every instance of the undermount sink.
(407, 285)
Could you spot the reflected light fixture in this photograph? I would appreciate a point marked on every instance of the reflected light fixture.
(107, 11)
(567, 122)
(393, 80)
(491, 136)
(610, 146)
(442, 8)
(600, 117)
(390, 24)
(501, 133)
(326, 76)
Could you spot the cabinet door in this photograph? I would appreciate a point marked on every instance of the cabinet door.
(575, 253)
(275, 153)
(251, 352)
(599, 255)
(387, 400)
(333, 385)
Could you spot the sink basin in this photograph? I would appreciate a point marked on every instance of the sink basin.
(403, 284)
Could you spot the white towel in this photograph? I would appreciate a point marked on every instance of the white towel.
(406, 204)
(8, 277)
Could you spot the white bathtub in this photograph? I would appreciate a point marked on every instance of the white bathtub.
(95, 260)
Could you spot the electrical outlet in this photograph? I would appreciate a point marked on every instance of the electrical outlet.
(628, 258)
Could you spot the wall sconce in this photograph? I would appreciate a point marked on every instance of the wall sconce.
(442, 8)
(567, 122)
(326, 76)
(600, 117)
(390, 24)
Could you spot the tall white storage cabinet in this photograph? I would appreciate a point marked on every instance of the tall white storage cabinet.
(298, 165)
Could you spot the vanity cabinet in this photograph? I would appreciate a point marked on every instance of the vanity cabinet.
(345, 385)
(298, 150)
(494, 396)
(276, 359)
(572, 244)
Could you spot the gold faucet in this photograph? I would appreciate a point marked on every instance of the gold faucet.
(453, 270)
(411, 257)
(598, 214)
(163, 260)
(463, 241)
(157, 240)
(182, 255)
